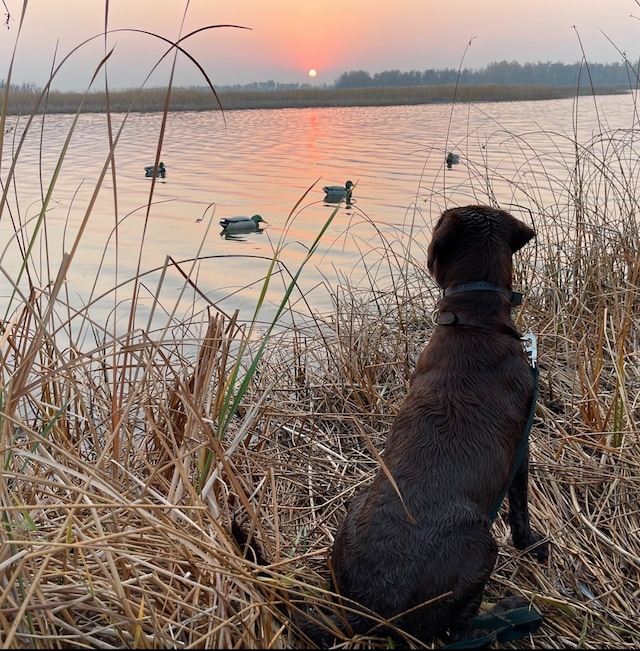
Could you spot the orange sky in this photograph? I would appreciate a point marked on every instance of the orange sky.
(288, 37)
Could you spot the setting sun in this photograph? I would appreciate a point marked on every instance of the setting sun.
(312, 73)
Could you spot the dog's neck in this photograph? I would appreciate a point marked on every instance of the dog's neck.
(450, 317)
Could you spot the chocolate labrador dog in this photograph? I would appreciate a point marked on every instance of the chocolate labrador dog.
(420, 552)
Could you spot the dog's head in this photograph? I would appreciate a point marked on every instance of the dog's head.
(475, 243)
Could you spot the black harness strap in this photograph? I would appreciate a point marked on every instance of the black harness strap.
(447, 319)
(516, 623)
(519, 622)
(522, 450)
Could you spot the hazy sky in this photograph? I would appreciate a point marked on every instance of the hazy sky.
(286, 38)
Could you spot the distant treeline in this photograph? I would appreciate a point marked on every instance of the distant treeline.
(501, 73)
(508, 73)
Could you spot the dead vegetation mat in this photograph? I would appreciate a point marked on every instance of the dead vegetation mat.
(118, 508)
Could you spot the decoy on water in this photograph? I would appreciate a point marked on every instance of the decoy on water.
(452, 159)
(336, 193)
(162, 170)
(242, 224)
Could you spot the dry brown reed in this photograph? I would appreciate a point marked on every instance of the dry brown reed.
(22, 102)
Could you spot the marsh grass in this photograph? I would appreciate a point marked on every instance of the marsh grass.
(200, 99)
(125, 463)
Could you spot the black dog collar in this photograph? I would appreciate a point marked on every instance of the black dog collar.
(515, 298)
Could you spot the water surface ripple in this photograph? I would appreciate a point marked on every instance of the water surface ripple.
(518, 154)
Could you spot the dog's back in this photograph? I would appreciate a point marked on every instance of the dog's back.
(451, 448)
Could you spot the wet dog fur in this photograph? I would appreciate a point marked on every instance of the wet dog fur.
(450, 450)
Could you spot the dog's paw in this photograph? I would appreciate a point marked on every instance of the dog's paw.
(538, 547)
(465, 633)
(506, 607)
(509, 603)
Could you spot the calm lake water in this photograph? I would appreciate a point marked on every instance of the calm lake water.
(264, 161)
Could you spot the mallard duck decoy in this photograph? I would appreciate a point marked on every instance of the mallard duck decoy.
(162, 170)
(452, 159)
(336, 193)
(242, 224)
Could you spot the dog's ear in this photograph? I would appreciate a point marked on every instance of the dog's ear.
(520, 235)
(432, 252)
(443, 239)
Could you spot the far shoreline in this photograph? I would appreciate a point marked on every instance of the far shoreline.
(21, 102)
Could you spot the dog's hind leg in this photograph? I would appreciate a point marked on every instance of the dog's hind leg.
(463, 628)
(523, 536)
(474, 568)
